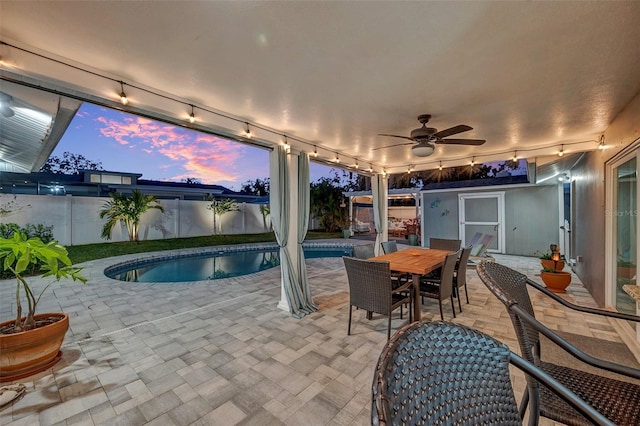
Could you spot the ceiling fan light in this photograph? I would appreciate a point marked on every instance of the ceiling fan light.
(423, 149)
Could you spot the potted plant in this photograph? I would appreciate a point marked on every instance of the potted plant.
(30, 344)
(626, 269)
(552, 274)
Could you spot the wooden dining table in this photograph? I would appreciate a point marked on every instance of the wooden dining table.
(417, 262)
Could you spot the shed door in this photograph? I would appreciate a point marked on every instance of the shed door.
(482, 213)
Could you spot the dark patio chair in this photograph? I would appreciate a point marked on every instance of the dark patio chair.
(440, 373)
(617, 400)
(370, 289)
(444, 244)
(460, 276)
(389, 246)
(441, 288)
(364, 251)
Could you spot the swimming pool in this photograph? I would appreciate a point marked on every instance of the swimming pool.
(212, 264)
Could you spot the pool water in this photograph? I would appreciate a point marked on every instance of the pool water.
(210, 266)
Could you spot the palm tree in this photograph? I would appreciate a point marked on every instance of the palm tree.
(128, 209)
(220, 207)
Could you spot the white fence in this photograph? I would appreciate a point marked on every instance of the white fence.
(76, 220)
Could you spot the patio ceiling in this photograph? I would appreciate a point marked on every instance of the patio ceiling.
(529, 77)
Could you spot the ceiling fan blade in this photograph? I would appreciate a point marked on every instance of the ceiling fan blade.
(395, 136)
(453, 131)
(391, 146)
(461, 141)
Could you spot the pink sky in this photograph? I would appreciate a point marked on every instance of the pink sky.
(127, 143)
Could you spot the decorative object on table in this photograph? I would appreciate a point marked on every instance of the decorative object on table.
(31, 344)
(552, 274)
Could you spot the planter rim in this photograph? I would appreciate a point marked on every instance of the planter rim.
(61, 315)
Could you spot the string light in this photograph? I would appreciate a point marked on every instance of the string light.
(123, 96)
(515, 156)
(384, 172)
(601, 145)
(247, 132)
(337, 158)
(356, 165)
(561, 152)
(315, 151)
(192, 116)
(473, 161)
(440, 166)
(370, 168)
(285, 143)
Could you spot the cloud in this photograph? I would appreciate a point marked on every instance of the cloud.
(199, 155)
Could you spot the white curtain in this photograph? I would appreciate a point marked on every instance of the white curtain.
(380, 210)
(279, 198)
(303, 300)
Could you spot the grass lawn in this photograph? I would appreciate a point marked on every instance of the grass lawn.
(84, 253)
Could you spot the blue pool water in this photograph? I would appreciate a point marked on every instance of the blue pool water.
(211, 265)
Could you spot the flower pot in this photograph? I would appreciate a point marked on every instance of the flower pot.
(550, 264)
(30, 352)
(557, 282)
(413, 240)
(346, 233)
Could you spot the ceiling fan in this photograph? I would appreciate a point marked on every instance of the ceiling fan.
(425, 138)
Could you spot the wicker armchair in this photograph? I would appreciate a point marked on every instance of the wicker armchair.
(370, 289)
(389, 246)
(441, 373)
(460, 275)
(618, 400)
(364, 251)
(441, 288)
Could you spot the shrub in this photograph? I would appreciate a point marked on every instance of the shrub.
(43, 232)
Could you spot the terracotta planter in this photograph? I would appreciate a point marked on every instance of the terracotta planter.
(29, 352)
(626, 272)
(549, 264)
(557, 282)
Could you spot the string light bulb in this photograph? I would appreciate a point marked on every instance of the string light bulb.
(247, 133)
(123, 96)
(285, 143)
(473, 161)
(515, 156)
(337, 158)
(370, 168)
(561, 152)
(440, 166)
(192, 116)
(601, 144)
(356, 165)
(384, 172)
(315, 151)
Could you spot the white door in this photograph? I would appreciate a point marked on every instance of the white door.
(482, 213)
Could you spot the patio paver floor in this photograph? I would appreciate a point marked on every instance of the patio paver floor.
(221, 352)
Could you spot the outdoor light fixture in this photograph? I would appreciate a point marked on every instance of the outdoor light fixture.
(247, 132)
(285, 143)
(337, 158)
(315, 151)
(561, 152)
(473, 161)
(123, 96)
(601, 144)
(370, 168)
(356, 165)
(192, 117)
(440, 166)
(515, 156)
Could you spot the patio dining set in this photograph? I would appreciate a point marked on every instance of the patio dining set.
(446, 373)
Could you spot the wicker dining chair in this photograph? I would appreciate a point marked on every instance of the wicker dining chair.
(370, 289)
(364, 251)
(441, 373)
(618, 400)
(441, 288)
(389, 246)
(460, 275)
(444, 244)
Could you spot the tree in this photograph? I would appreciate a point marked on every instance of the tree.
(192, 181)
(326, 203)
(257, 187)
(69, 164)
(265, 209)
(128, 209)
(219, 208)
